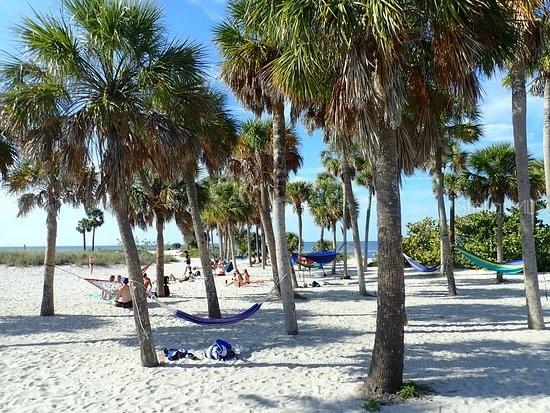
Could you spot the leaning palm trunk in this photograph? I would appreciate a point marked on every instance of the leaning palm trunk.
(350, 201)
(500, 236)
(139, 297)
(367, 225)
(211, 294)
(546, 140)
(160, 254)
(446, 251)
(47, 307)
(386, 368)
(268, 237)
(279, 229)
(535, 319)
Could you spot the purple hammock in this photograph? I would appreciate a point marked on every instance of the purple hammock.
(418, 266)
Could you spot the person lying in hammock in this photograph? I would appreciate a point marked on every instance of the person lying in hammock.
(123, 296)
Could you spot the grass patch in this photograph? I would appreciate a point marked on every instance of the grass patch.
(102, 258)
(409, 390)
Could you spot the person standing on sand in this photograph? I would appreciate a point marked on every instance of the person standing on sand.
(91, 263)
(187, 263)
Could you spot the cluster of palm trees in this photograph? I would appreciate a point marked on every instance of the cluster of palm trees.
(90, 223)
(103, 107)
(394, 76)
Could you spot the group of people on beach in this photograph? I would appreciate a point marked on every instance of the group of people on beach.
(122, 295)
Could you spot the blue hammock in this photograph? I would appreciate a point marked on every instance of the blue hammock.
(418, 266)
(323, 257)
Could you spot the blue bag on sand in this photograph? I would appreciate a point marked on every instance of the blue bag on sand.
(228, 267)
(173, 354)
(220, 350)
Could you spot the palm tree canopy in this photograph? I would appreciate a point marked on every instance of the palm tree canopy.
(491, 174)
(298, 193)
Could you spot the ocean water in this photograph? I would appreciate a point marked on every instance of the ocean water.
(307, 247)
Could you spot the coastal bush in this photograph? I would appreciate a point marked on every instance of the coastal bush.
(292, 241)
(476, 233)
(102, 258)
(323, 245)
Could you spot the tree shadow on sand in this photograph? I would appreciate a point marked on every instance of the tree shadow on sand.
(64, 323)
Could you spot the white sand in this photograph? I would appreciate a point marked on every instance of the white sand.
(474, 350)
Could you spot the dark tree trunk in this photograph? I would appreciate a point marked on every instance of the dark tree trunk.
(268, 237)
(84, 240)
(258, 251)
(452, 221)
(47, 306)
(446, 250)
(535, 318)
(211, 293)
(386, 368)
(500, 236)
(160, 253)
(279, 228)
(93, 238)
(139, 298)
(367, 225)
(248, 245)
(232, 246)
(350, 201)
(333, 270)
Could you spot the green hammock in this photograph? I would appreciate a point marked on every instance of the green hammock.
(491, 265)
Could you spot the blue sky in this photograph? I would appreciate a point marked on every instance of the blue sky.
(193, 20)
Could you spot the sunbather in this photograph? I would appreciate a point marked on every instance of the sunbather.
(123, 295)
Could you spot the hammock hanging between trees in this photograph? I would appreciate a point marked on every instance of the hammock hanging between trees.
(511, 268)
(110, 286)
(206, 321)
(418, 266)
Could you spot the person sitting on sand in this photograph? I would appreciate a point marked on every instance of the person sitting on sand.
(220, 271)
(172, 278)
(246, 276)
(147, 283)
(123, 295)
(107, 295)
(237, 279)
(119, 279)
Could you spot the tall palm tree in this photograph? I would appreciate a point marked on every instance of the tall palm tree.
(518, 63)
(97, 219)
(245, 68)
(298, 193)
(491, 177)
(82, 227)
(372, 50)
(43, 186)
(8, 154)
(109, 74)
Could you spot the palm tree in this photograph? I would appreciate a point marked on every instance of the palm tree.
(96, 218)
(491, 177)
(298, 193)
(8, 154)
(42, 186)
(368, 54)
(83, 226)
(109, 75)
(518, 63)
(245, 69)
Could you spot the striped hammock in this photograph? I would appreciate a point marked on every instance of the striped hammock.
(515, 268)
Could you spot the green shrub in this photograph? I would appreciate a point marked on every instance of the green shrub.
(371, 405)
(324, 245)
(476, 233)
(193, 253)
(102, 258)
(292, 241)
(407, 391)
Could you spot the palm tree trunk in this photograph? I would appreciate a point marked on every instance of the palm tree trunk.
(533, 203)
(220, 241)
(352, 210)
(279, 226)
(322, 234)
(211, 294)
(257, 243)
(546, 140)
(269, 237)
(367, 225)
(84, 240)
(232, 246)
(452, 222)
(519, 112)
(248, 245)
(160, 253)
(333, 271)
(264, 252)
(446, 251)
(93, 238)
(500, 237)
(386, 368)
(47, 306)
(139, 298)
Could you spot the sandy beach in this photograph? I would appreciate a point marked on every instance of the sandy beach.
(473, 350)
